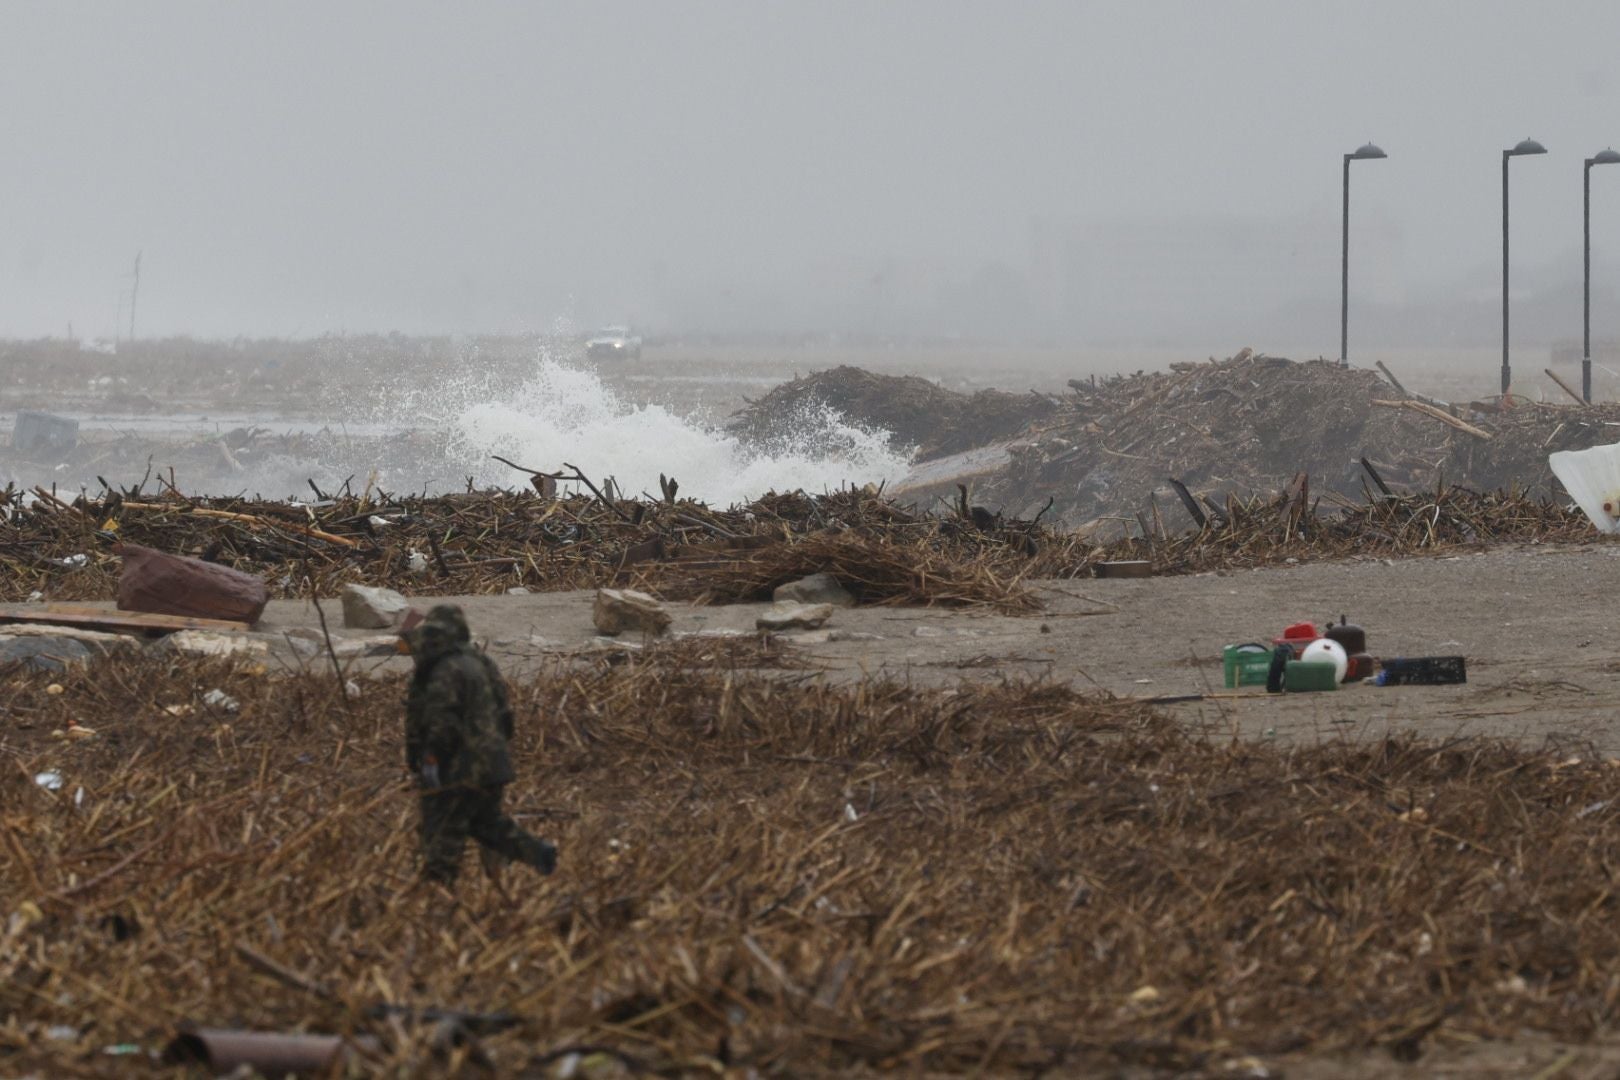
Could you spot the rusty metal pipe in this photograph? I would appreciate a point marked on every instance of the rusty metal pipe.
(271, 1053)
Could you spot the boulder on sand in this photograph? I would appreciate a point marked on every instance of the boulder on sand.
(820, 588)
(618, 610)
(369, 608)
(794, 617)
(164, 584)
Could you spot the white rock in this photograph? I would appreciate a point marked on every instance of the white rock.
(815, 589)
(208, 643)
(618, 610)
(376, 645)
(794, 617)
(366, 607)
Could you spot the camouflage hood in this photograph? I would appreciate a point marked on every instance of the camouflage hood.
(441, 633)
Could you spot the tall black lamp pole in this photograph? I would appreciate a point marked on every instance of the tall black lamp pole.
(1528, 146)
(1362, 154)
(1605, 157)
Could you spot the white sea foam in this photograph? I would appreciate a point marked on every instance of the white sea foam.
(566, 414)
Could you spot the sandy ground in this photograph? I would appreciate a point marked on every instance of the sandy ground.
(1541, 640)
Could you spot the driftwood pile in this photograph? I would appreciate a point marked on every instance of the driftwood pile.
(1247, 425)
(60, 548)
(788, 877)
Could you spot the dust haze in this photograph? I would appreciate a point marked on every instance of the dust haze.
(1114, 174)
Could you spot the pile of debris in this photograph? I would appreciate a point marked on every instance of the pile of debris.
(1249, 425)
(61, 548)
(884, 551)
(732, 900)
(917, 414)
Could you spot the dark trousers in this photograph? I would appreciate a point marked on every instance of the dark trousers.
(449, 817)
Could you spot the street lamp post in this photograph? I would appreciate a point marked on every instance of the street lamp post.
(1361, 154)
(1527, 146)
(1606, 157)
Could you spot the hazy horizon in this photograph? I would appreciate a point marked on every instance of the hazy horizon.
(1084, 172)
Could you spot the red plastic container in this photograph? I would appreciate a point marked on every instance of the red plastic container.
(1298, 636)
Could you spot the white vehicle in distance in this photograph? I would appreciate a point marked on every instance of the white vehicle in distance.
(614, 343)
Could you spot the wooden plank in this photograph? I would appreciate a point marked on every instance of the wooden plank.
(251, 520)
(90, 618)
(1439, 414)
(1390, 375)
(1564, 386)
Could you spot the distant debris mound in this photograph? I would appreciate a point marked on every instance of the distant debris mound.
(915, 412)
(1249, 425)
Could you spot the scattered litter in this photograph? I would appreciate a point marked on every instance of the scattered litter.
(50, 781)
(74, 732)
(219, 699)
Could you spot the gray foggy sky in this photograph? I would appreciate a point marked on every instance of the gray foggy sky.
(298, 167)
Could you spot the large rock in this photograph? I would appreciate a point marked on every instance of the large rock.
(40, 651)
(794, 617)
(619, 610)
(52, 648)
(815, 589)
(176, 585)
(368, 608)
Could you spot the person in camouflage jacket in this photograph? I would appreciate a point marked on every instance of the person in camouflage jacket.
(458, 723)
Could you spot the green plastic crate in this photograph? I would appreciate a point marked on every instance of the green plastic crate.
(1245, 665)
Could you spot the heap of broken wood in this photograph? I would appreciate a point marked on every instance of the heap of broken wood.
(1250, 423)
(57, 547)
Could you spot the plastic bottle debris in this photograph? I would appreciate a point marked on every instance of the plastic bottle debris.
(219, 699)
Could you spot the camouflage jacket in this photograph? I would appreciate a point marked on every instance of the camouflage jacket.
(457, 711)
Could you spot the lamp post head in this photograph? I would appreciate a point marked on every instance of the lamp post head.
(1371, 151)
(1603, 157)
(1526, 146)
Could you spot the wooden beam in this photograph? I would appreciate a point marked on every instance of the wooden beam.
(90, 618)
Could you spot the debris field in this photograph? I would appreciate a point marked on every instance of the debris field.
(769, 872)
(782, 876)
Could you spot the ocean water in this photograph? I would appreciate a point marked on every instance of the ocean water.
(566, 415)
